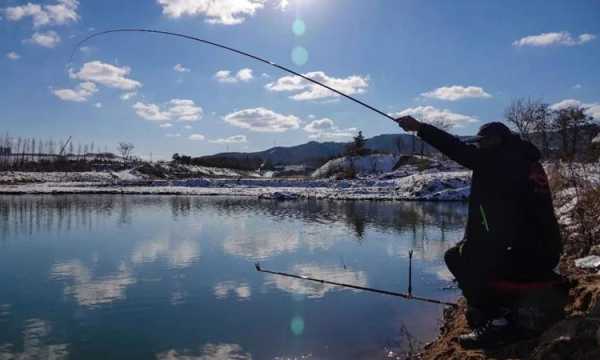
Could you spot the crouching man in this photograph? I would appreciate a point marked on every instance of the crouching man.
(511, 232)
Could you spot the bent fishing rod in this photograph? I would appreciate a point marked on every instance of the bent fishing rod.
(407, 296)
(228, 48)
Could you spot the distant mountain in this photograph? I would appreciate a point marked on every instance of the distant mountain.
(311, 154)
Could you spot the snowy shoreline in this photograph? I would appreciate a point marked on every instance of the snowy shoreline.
(427, 186)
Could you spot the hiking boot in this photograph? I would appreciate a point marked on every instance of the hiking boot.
(493, 332)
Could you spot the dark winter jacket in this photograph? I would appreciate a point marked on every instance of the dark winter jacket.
(511, 225)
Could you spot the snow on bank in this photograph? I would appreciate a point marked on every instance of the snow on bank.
(446, 186)
(370, 164)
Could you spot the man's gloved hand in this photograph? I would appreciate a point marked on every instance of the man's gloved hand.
(408, 123)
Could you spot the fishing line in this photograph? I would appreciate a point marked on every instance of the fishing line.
(243, 53)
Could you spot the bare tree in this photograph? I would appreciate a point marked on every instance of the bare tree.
(542, 125)
(521, 114)
(125, 149)
(569, 123)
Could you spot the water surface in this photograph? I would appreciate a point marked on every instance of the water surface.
(172, 277)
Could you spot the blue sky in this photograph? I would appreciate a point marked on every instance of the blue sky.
(460, 62)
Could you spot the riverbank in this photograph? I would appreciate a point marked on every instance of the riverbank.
(429, 185)
(577, 335)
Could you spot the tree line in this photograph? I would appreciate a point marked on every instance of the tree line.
(31, 153)
(564, 133)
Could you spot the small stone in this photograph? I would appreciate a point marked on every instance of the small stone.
(588, 262)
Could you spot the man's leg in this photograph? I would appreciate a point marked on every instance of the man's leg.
(473, 283)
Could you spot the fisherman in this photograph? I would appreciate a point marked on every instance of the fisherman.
(511, 232)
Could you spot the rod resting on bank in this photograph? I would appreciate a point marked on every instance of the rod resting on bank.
(363, 288)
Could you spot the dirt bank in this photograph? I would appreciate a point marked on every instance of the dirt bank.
(575, 337)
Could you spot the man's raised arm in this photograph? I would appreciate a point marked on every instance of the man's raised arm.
(449, 145)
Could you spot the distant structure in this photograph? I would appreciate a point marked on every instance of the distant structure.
(5, 150)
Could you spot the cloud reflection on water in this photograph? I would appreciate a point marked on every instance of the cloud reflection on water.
(179, 254)
(223, 289)
(312, 289)
(91, 291)
(35, 335)
(208, 352)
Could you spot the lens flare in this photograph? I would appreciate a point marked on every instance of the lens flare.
(297, 326)
(299, 55)
(299, 27)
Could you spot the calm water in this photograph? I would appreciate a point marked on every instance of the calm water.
(98, 277)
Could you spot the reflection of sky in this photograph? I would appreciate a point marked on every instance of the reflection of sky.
(226, 288)
(89, 290)
(208, 352)
(179, 254)
(184, 266)
(35, 346)
(256, 243)
(312, 289)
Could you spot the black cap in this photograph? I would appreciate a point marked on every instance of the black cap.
(492, 129)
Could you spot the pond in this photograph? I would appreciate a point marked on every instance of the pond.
(173, 277)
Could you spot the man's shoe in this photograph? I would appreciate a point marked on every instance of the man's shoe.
(493, 332)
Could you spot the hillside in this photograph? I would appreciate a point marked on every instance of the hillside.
(312, 154)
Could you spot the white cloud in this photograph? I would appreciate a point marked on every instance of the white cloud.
(325, 129)
(226, 12)
(150, 112)
(262, 120)
(305, 90)
(13, 55)
(432, 115)
(98, 105)
(107, 75)
(592, 109)
(63, 12)
(457, 92)
(320, 125)
(188, 127)
(128, 95)
(173, 135)
(48, 39)
(225, 76)
(245, 75)
(184, 110)
(577, 86)
(554, 38)
(80, 94)
(236, 139)
(283, 4)
(180, 68)
(166, 125)
(197, 137)
(177, 109)
(565, 104)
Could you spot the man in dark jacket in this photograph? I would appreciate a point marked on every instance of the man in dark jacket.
(511, 232)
